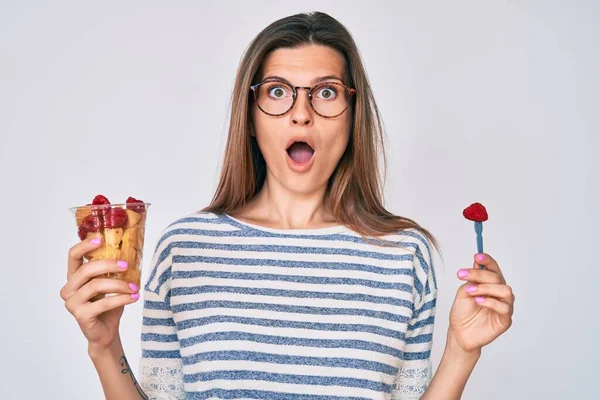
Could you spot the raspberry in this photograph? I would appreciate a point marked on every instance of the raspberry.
(92, 223)
(82, 232)
(135, 205)
(115, 218)
(100, 199)
(100, 213)
(476, 212)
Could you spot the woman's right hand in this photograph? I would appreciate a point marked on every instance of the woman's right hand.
(98, 320)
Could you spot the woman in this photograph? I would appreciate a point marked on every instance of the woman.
(295, 282)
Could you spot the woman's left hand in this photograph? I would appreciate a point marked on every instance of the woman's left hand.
(483, 306)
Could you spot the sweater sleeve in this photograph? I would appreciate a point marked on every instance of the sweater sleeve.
(160, 374)
(415, 372)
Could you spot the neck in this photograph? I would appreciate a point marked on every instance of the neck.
(277, 206)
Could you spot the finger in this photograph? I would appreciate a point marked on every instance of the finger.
(499, 291)
(76, 253)
(109, 303)
(478, 276)
(494, 304)
(95, 269)
(100, 286)
(89, 271)
(488, 262)
(88, 312)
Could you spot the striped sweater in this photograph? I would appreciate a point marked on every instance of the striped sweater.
(234, 310)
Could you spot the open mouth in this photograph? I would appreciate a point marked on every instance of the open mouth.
(300, 152)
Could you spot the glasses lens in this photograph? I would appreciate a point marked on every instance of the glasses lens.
(275, 97)
(330, 99)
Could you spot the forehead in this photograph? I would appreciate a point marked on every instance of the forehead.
(301, 65)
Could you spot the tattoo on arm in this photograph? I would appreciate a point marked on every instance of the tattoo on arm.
(127, 370)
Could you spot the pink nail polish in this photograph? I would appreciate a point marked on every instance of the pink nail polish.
(463, 273)
(479, 299)
(471, 289)
(96, 241)
(135, 296)
(122, 264)
(480, 257)
(134, 287)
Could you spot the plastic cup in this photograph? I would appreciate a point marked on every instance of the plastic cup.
(122, 228)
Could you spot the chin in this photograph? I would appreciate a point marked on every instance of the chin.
(305, 184)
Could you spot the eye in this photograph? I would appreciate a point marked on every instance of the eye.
(327, 93)
(278, 92)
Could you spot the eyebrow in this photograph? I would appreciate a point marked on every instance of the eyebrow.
(315, 80)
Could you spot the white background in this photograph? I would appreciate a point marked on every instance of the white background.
(482, 101)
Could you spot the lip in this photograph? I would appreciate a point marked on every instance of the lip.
(300, 138)
(300, 167)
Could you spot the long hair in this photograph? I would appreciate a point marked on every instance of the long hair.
(354, 191)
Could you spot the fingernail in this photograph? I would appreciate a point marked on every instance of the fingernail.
(135, 296)
(479, 299)
(480, 257)
(96, 241)
(134, 287)
(463, 273)
(471, 289)
(122, 264)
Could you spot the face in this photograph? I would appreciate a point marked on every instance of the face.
(298, 167)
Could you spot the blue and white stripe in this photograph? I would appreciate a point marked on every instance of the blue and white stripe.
(236, 311)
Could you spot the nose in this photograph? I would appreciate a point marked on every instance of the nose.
(301, 113)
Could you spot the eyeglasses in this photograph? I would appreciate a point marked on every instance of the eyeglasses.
(327, 99)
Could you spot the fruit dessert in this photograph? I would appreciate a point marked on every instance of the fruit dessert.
(121, 227)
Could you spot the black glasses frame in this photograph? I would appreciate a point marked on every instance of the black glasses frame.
(350, 92)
